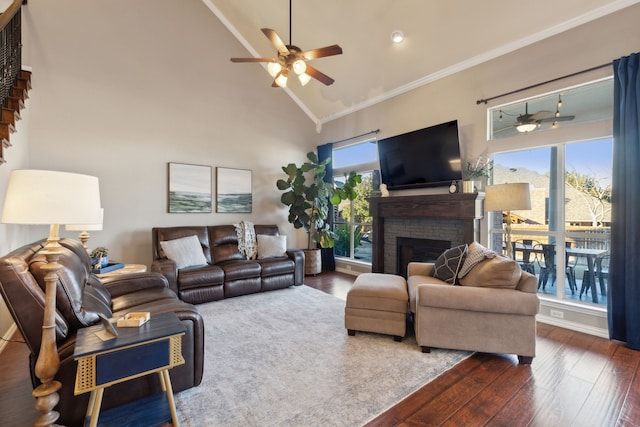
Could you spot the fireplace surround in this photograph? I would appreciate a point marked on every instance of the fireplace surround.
(451, 217)
(411, 249)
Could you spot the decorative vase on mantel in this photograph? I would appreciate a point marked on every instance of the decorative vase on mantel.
(475, 173)
(470, 186)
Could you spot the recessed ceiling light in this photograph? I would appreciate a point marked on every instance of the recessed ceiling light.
(397, 36)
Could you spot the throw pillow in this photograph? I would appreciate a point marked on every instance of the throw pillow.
(449, 263)
(271, 246)
(476, 254)
(497, 272)
(185, 252)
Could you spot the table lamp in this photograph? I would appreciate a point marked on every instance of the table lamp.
(84, 229)
(53, 198)
(507, 197)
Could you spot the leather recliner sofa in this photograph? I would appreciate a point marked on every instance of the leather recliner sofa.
(80, 296)
(228, 272)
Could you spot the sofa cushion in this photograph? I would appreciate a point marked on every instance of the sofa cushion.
(185, 251)
(496, 272)
(197, 277)
(449, 263)
(476, 254)
(240, 269)
(271, 246)
(276, 266)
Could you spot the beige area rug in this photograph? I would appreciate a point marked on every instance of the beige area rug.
(283, 358)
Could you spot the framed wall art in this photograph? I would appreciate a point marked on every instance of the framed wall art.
(233, 190)
(189, 188)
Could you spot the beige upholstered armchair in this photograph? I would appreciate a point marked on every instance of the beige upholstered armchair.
(475, 315)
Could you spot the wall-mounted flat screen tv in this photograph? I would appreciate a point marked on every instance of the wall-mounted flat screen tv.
(426, 157)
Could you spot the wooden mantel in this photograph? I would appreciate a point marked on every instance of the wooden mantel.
(467, 207)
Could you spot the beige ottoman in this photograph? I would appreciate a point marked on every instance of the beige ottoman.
(377, 303)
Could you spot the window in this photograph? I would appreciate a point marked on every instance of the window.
(352, 222)
(564, 239)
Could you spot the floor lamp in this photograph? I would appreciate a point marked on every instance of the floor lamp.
(507, 197)
(52, 198)
(84, 229)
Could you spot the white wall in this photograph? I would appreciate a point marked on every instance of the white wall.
(122, 88)
(13, 236)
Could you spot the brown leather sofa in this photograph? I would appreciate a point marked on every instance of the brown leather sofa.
(227, 273)
(80, 296)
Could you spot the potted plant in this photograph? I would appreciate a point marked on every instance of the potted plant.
(100, 257)
(474, 172)
(308, 197)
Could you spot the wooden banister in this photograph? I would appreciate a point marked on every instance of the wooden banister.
(11, 11)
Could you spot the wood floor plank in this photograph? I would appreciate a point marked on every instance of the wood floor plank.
(608, 395)
(16, 402)
(485, 404)
(630, 412)
(451, 400)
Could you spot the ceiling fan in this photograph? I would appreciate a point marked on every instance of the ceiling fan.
(529, 122)
(293, 59)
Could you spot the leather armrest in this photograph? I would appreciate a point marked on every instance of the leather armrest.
(168, 269)
(123, 284)
(297, 256)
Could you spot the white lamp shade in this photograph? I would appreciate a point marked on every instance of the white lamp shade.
(87, 227)
(507, 197)
(51, 197)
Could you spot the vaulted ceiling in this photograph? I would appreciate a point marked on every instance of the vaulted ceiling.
(442, 38)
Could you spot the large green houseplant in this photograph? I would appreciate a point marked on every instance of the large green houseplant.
(308, 197)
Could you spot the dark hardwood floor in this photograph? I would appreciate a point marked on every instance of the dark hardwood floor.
(575, 379)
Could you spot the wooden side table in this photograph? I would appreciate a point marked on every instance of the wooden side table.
(128, 268)
(153, 347)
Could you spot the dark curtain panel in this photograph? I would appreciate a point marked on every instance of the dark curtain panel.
(328, 257)
(624, 268)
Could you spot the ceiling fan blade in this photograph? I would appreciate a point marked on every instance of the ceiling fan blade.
(254, 60)
(540, 115)
(503, 129)
(276, 41)
(556, 119)
(319, 76)
(322, 52)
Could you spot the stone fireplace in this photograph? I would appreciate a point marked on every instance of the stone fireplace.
(452, 219)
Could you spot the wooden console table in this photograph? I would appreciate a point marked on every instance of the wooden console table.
(153, 347)
(468, 207)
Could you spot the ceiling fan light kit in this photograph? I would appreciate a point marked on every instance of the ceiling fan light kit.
(529, 122)
(274, 68)
(304, 79)
(526, 127)
(291, 57)
(281, 80)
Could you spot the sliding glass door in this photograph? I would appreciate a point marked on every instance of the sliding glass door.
(564, 238)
